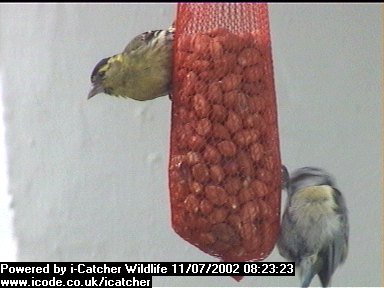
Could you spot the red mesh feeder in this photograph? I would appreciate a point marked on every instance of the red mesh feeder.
(225, 168)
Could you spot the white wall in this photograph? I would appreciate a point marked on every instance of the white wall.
(8, 247)
(88, 179)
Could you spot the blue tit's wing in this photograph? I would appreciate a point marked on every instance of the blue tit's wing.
(286, 242)
(342, 238)
(336, 252)
(291, 243)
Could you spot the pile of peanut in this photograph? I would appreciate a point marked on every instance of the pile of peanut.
(224, 165)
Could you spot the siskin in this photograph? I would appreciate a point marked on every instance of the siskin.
(143, 71)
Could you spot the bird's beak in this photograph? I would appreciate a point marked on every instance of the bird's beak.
(96, 89)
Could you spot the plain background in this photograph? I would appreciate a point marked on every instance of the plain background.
(88, 179)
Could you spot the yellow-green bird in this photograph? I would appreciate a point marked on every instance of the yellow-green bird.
(143, 71)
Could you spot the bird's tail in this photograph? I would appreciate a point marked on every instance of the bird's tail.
(171, 28)
(307, 270)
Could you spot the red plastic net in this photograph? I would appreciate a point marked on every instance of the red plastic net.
(225, 168)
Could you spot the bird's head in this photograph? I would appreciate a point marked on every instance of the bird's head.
(309, 176)
(104, 74)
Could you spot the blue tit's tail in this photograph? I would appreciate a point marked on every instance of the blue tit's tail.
(332, 256)
(308, 270)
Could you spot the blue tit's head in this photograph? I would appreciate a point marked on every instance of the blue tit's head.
(309, 176)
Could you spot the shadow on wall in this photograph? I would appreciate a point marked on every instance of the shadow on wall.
(8, 247)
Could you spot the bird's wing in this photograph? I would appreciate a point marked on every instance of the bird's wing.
(291, 243)
(342, 211)
(145, 38)
(336, 252)
(139, 41)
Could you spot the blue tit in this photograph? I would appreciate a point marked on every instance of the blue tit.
(314, 230)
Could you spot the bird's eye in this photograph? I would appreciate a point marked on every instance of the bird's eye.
(99, 70)
(101, 74)
(108, 91)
